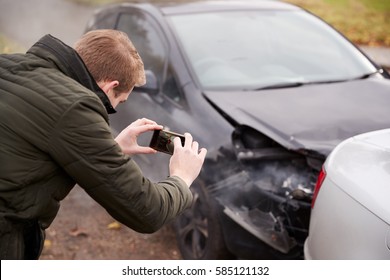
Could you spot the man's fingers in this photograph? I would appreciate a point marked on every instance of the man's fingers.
(195, 146)
(143, 121)
(188, 141)
(177, 142)
(145, 150)
(203, 153)
(144, 128)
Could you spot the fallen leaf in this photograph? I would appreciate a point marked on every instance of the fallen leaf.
(47, 243)
(114, 225)
(78, 232)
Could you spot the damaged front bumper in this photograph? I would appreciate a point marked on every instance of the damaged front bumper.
(269, 199)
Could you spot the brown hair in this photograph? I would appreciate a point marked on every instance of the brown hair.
(110, 55)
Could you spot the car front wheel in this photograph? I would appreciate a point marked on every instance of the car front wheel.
(198, 230)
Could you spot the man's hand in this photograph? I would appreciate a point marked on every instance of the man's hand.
(186, 162)
(127, 139)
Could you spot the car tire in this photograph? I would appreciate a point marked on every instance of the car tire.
(198, 230)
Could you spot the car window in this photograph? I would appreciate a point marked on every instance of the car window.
(107, 21)
(171, 89)
(146, 39)
(152, 49)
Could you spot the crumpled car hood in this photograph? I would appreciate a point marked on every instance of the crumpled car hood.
(311, 117)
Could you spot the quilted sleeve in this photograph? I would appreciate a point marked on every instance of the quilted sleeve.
(82, 144)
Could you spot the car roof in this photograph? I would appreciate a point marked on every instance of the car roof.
(190, 6)
(206, 6)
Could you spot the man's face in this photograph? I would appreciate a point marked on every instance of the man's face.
(117, 98)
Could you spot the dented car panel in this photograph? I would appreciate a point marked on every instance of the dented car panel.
(268, 113)
(315, 117)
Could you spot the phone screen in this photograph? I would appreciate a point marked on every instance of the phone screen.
(162, 141)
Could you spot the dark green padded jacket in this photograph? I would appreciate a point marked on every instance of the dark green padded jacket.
(55, 134)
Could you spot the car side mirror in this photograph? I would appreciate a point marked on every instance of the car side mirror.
(152, 84)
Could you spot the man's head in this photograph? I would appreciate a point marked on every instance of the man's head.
(113, 61)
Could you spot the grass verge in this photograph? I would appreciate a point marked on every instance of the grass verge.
(365, 22)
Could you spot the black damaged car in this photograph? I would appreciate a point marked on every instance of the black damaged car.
(269, 89)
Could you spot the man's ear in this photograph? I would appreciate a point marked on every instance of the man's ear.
(106, 86)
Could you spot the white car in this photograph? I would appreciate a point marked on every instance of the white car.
(350, 216)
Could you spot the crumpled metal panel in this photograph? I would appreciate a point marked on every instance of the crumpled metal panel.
(317, 117)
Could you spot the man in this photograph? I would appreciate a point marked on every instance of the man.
(54, 106)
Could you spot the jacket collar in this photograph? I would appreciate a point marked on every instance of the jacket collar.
(71, 64)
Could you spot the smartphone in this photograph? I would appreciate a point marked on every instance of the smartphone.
(162, 141)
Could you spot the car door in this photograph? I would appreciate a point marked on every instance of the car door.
(166, 106)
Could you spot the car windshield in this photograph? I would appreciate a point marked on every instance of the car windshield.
(250, 50)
